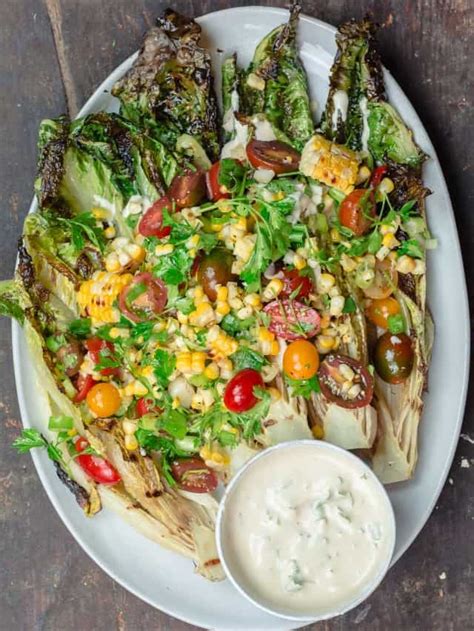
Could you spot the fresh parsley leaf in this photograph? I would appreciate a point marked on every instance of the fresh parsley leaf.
(304, 387)
(250, 422)
(174, 268)
(231, 175)
(80, 327)
(150, 441)
(84, 226)
(349, 305)
(174, 422)
(406, 210)
(411, 247)
(246, 357)
(164, 364)
(374, 242)
(232, 325)
(396, 323)
(29, 439)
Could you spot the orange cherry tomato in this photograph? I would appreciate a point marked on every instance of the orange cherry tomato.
(380, 310)
(301, 360)
(104, 399)
(356, 210)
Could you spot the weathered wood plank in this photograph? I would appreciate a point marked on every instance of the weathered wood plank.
(58, 49)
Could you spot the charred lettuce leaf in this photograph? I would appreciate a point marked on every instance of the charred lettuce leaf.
(357, 112)
(52, 144)
(169, 88)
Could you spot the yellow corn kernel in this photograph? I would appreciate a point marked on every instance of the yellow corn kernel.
(72, 432)
(253, 300)
(198, 293)
(129, 427)
(386, 186)
(273, 289)
(97, 295)
(198, 361)
(212, 371)
(335, 235)
(274, 348)
(330, 163)
(112, 263)
(183, 362)
(136, 252)
(222, 292)
(114, 332)
(390, 241)
(405, 264)
(176, 403)
(388, 228)
(325, 320)
(364, 174)
(163, 250)
(219, 458)
(325, 282)
(147, 372)
(216, 227)
(110, 232)
(223, 308)
(348, 264)
(193, 241)
(265, 335)
(203, 316)
(205, 453)
(324, 343)
(100, 213)
(241, 224)
(318, 432)
(226, 368)
(274, 393)
(299, 262)
(131, 442)
(182, 317)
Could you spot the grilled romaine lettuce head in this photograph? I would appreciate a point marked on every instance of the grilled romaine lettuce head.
(357, 112)
(169, 89)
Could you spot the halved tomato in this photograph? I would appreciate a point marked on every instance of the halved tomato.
(83, 384)
(296, 284)
(188, 189)
(151, 224)
(239, 393)
(338, 374)
(215, 190)
(292, 320)
(96, 467)
(144, 298)
(278, 156)
(356, 211)
(192, 474)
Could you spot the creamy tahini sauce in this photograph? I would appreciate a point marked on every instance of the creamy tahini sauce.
(306, 532)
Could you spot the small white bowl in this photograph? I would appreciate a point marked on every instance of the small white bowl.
(366, 589)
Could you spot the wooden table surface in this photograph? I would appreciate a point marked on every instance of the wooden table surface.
(53, 53)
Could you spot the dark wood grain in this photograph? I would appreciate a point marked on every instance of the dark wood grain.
(53, 53)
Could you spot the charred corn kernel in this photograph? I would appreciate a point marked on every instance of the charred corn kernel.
(325, 283)
(336, 305)
(405, 264)
(131, 443)
(273, 289)
(244, 313)
(318, 432)
(164, 249)
(183, 362)
(223, 308)
(386, 186)
(100, 213)
(363, 174)
(222, 293)
(274, 393)
(182, 317)
(129, 427)
(110, 232)
(324, 343)
(203, 316)
(97, 295)
(390, 241)
(325, 320)
(299, 262)
(252, 300)
(212, 371)
(348, 264)
(112, 263)
(331, 164)
(274, 347)
(335, 235)
(198, 362)
(265, 335)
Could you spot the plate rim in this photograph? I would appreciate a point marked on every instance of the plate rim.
(16, 329)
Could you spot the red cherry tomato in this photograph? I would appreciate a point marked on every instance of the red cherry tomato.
(96, 467)
(377, 175)
(293, 281)
(146, 406)
(332, 381)
(278, 156)
(151, 224)
(188, 189)
(97, 350)
(356, 210)
(215, 191)
(292, 320)
(192, 474)
(144, 298)
(83, 384)
(238, 394)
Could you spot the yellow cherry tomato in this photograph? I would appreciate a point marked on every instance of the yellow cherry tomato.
(104, 399)
(379, 311)
(301, 360)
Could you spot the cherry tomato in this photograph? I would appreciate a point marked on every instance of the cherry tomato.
(293, 281)
(356, 210)
(192, 474)
(215, 268)
(151, 224)
(238, 394)
(301, 360)
(278, 156)
(96, 467)
(379, 311)
(215, 191)
(70, 356)
(144, 298)
(292, 320)
(394, 357)
(377, 175)
(104, 399)
(332, 381)
(188, 189)
(146, 406)
(83, 384)
(385, 281)
(97, 350)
